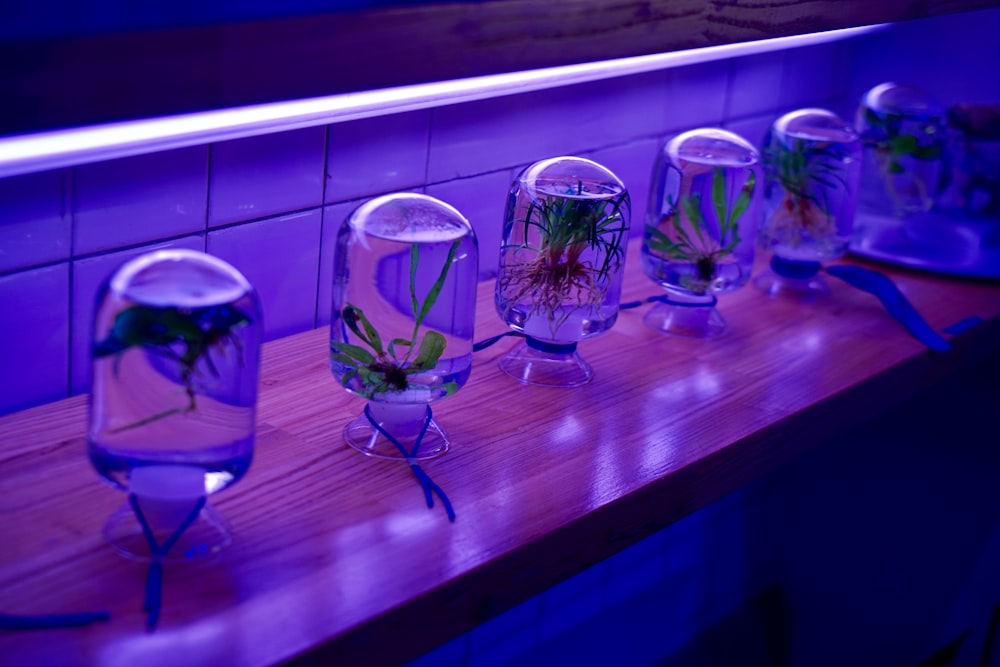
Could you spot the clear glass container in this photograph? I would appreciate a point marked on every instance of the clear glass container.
(560, 275)
(902, 130)
(700, 228)
(972, 190)
(812, 167)
(404, 299)
(176, 346)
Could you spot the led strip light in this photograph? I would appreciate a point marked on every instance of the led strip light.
(40, 151)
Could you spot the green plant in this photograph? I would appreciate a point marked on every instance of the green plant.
(893, 146)
(682, 234)
(182, 335)
(807, 172)
(382, 367)
(558, 272)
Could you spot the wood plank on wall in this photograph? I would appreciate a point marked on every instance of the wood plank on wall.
(93, 79)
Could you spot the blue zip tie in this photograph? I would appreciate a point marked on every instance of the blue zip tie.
(153, 599)
(426, 483)
(485, 343)
(46, 621)
(663, 298)
(895, 303)
(963, 325)
(550, 348)
(794, 268)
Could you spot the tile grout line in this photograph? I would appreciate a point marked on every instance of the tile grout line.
(66, 190)
(324, 180)
(208, 195)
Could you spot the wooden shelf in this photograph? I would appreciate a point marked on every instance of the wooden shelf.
(335, 555)
(96, 79)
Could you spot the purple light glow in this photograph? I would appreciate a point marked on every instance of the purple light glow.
(64, 148)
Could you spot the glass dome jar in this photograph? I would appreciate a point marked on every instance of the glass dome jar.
(404, 300)
(700, 228)
(903, 133)
(176, 347)
(560, 274)
(812, 166)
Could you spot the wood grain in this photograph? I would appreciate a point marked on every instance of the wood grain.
(336, 557)
(103, 78)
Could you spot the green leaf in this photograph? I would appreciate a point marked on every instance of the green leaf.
(373, 339)
(348, 376)
(435, 290)
(351, 315)
(397, 341)
(895, 167)
(354, 352)
(431, 349)
(528, 223)
(692, 209)
(660, 242)
(733, 242)
(927, 152)
(743, 201)
(414, 259)
(449, 388)
(719, 197)
(655, 235)
(903, 144)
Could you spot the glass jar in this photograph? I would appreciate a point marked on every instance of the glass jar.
(902, 130)
(176, 347)
(404, 299)
(560, 273)
(700, 228)
(812, 166)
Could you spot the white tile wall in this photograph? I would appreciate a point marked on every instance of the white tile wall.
(34, 357)
(755, 84)
(632, 163)
(377, 155)
(481, 200)
(89, 274)
(267, 175)
(490, 135)
(811, 73)
(137, 200)
(333, 218)
(35, 229)
(696, 95)
(280, 257)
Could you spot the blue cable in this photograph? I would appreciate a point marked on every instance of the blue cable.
(426, 483)
(154, 576)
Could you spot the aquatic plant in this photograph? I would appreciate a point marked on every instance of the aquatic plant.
(806, 172)
(559, 274)
(386, 367)
(892, 146)
(181, 335)
(683, 233)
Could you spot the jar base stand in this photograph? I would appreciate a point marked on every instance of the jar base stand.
(691, 319)
(539, 363)
(205, 537)
(776, 286)
(404, 422)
